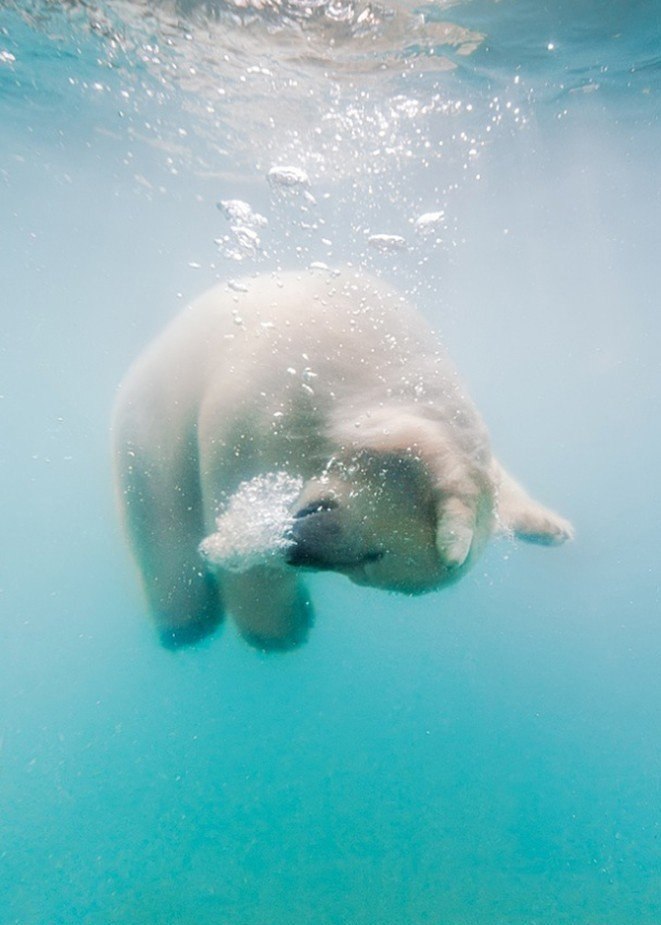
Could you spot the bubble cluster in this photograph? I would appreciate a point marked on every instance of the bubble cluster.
(245, 224)
(349, 123)
(252, 528)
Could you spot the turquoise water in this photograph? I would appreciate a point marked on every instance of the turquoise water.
(490, 755)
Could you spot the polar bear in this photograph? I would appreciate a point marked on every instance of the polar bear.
(334, 379)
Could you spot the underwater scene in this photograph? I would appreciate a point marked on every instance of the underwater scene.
(488, 753)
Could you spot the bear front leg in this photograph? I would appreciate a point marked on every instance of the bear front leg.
(162, 516)
(270, 606)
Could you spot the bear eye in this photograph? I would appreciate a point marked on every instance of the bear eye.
(375, 556)
(315, 507)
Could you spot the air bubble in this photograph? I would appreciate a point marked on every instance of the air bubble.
(429, 222)
(387, 242)
(288, 177)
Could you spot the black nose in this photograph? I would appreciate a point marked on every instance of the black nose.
(315, 535)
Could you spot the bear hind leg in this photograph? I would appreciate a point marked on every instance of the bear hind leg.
(516, 512)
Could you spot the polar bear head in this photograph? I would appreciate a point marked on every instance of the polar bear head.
(380, 519)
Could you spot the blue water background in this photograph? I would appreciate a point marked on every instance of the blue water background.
(490, 755)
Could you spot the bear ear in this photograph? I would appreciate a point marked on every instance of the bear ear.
(454, 532)
(516, 512)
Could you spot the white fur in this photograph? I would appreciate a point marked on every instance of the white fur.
(338, 382)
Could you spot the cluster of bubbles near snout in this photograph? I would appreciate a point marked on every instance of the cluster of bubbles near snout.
(254, 527)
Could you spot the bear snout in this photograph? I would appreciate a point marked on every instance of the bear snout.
(317, 539)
